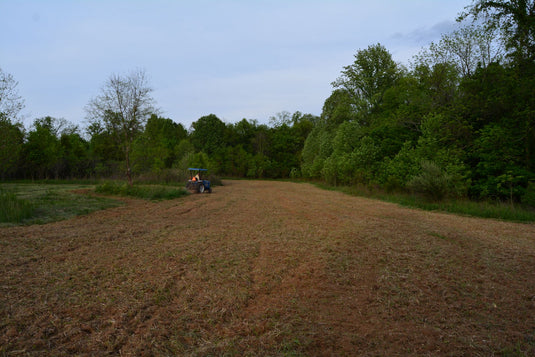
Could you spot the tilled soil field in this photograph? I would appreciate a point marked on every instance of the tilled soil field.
(268, 268)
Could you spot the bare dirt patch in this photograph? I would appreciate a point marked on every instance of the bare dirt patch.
(271, 268)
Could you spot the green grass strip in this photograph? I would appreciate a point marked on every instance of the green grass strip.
(147, 192)
(485, 209)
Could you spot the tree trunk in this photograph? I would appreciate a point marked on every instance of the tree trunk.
(128, 169)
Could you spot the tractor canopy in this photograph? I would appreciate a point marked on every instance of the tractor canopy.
(195, 171)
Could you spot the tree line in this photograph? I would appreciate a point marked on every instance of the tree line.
(56, 149)
(459, 121)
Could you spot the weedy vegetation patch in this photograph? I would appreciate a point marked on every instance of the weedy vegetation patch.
(148, 192)
(28, 204)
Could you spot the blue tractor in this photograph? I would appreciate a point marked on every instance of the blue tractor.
(196, 183)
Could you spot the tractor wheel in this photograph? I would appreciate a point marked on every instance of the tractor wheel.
(201, 188)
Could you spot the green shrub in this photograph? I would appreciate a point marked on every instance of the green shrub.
(14, 209)
(396, 172)
(329, 171)
(148, 192)
(111, 188)
(432, 182)
(529, 196)
(155, 192)
(295, 173)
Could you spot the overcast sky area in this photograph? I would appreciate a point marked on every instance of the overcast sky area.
(236, 59)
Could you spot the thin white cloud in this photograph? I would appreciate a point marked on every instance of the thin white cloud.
(424, 36)
(235, 59)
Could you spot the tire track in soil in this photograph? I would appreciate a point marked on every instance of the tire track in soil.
(261, 267)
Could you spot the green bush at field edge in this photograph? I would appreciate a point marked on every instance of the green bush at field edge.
(148, 192)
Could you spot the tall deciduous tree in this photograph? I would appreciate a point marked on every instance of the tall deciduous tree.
(124, 105)
(154, 150)
(515, 17)
(466, 49)
(368, 78)
(338, 108)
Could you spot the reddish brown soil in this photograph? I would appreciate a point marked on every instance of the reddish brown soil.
(268, 268)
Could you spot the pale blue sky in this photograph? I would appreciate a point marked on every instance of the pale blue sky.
(236, 59)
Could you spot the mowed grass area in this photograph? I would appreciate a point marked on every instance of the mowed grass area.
(39, 203)
(268, 268)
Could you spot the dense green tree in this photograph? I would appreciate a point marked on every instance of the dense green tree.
(396, 171)
(287, 138)
(338, 108)
(302, 125)
(42, 149)
(242, 133)
(367, 79)
(105, 153)
(442, 144)
(406, 103)
(499, 102)
(440, 83)
(317, 148)
(499, 95)
(283, 151)
(234, 161)
(208, 134)
(11, 143)
(154, 149)
(261, 140)
(201, 160)
(74, 155)
(260, 163)
(164, 131)
(498, 172)
(360, 123)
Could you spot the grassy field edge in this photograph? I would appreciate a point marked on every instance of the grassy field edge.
(30, 203)
(485, 209)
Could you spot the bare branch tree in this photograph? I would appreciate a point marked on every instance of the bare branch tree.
(11, 103)
(466, 49)
(124, 105)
